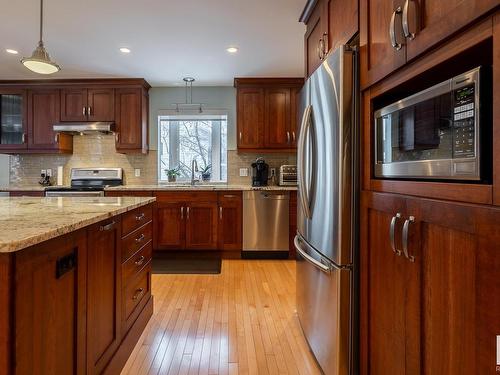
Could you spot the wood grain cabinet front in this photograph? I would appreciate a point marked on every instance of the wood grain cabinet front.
(230, 227)
(132, 242)
(429, 270)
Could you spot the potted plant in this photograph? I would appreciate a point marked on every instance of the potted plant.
(206, 173)
(173, 173)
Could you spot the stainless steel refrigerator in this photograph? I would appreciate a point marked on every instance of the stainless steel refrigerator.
(326, 241)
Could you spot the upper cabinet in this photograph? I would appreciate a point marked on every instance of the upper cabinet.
(329, 24)
(393, 32)
(266, 113)
(31, 108)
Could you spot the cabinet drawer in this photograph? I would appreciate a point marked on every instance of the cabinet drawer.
(186, 196)
(230, 196)
(134, 294)
(135, 240)
(136, 218)
(136, 262)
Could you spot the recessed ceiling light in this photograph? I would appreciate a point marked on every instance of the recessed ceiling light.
(11, 51)
(232, 49)
(125, 50)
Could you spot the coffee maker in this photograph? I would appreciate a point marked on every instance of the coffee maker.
(260, 172)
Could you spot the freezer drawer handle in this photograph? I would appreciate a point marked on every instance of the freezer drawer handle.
(309, 258)
(392, 233)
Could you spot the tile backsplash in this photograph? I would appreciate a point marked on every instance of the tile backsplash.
(99, 151)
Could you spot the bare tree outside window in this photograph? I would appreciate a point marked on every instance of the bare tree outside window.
(183, 139)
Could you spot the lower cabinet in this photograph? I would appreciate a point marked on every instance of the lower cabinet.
(230, 233)
(103, 293)
(50, 299)
(201, 225)
(429, 271)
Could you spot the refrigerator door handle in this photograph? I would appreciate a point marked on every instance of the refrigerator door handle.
(304, 199)
(310, 259)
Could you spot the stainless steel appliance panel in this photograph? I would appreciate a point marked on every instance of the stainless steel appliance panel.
(324, 304)
(55, 193)
(325, 155)
(265, 220)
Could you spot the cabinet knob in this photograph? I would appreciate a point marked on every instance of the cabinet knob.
(392, 30)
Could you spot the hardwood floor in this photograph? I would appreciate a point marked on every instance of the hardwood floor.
(242, 321)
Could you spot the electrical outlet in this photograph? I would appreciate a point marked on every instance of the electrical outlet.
(43, 172)
(243, 172)
(137, 172)
(273, 172)
(49, 172)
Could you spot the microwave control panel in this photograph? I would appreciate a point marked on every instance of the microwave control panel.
(463, 122)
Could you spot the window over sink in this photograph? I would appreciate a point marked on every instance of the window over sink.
(183, 138)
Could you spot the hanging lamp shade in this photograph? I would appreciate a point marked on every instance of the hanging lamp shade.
(39, 61)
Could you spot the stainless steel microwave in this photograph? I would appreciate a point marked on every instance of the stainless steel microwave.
(436, 133)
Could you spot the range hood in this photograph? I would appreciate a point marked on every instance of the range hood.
(85, 127)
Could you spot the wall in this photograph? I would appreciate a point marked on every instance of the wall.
(4, 170)
(99, 150)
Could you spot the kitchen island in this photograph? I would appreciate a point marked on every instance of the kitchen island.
(75, 278)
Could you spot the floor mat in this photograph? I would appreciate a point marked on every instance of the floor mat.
(186, 263)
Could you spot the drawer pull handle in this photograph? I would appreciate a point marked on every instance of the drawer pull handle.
(392, 30)
(140, 216)
(229, 196)
(140, 261)
(107, 227)
(138, 293)
(220, 212)
(140, 238)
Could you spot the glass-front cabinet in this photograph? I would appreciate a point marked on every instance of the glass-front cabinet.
(12, 119)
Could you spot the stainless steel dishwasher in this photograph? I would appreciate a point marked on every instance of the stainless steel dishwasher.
(265, 224)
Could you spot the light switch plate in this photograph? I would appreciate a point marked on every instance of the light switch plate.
(49, 172)
(243, 172)
(43, 172)
(137, 172)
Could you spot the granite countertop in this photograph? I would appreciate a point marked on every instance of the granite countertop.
(199, 187)
(28, 221)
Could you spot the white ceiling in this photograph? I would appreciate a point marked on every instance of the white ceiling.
(169, 39)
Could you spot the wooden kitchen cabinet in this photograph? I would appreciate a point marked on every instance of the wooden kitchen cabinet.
(329, 24)
(50, 308)
(378, 55)
(103, 293)
(267, 113)
(230, 225)
(13, 119)
(250, 117)
(433, 307)
(431, 21)
(44, 109)
(131, 109)
(169, 232)
(87, 104)
(201, 225)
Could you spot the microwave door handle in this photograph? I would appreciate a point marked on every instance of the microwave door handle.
(301, 181)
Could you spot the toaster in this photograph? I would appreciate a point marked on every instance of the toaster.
(288, 175)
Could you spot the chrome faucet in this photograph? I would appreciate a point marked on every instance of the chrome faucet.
(194, 168)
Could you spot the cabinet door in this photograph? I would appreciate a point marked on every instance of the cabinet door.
(342, 21)
(169, 226)
(230, 221)
(101, 105)
(44, 110)
(50, 307)
(316, 29)
(250, 120)
(277, 118)
(378, 57)
(383, 290)
(129, 120)
(74, 105)
(104, 294)
(456, 248)
(201, 225)
(13, 114)
(434, 20)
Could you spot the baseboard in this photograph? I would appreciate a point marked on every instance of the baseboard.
(252, 254)
(127, 345)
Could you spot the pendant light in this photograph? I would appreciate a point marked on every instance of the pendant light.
(40, 61)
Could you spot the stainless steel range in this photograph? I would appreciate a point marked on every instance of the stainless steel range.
(88, 182)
